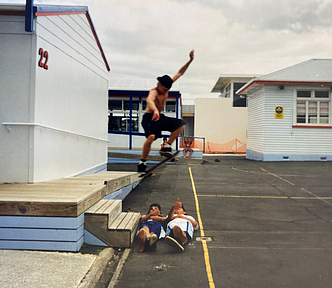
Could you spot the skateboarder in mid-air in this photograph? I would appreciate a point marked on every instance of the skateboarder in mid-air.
(154, 122)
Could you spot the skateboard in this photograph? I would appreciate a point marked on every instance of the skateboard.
(150, 173)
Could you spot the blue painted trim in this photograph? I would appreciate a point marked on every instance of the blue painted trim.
(41, 222)
(50, 234)
(29, 16)
(43, 246)
(93, 240)
(60, 8)
(131, 122)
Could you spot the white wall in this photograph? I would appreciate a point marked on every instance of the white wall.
(276, 139)
(64, 108)
(15, 98)
(218, 121)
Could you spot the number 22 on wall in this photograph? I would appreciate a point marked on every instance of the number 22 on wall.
(43, 58)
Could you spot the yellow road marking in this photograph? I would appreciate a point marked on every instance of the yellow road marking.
(205, 248)
(268, 197)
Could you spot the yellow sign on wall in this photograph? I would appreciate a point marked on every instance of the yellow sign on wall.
(279, 112)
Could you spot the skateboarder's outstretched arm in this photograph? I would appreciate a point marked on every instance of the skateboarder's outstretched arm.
(184, 67)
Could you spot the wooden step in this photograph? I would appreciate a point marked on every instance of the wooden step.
(123, 229)
(105, 221)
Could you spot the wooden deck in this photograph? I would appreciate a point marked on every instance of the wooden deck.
(67, 197)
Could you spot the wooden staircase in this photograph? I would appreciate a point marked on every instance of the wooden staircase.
(106, 221)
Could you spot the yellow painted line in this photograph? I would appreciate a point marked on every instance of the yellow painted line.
(267, 197)
(200, 223)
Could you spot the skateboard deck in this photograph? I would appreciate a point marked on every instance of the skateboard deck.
(149, 172)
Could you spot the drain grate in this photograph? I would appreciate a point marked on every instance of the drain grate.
(206, 238)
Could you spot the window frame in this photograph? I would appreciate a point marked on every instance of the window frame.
(312, 99)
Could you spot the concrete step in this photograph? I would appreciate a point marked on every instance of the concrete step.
(106, 221)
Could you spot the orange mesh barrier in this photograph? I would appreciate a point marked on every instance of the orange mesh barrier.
(234, 146)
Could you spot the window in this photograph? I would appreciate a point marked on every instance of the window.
(170, 106)
(121, 122)
(313, 107)
(238, 101)
(115, 105)
(127, 105)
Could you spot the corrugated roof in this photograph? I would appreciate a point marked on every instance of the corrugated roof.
(136, 84)
(313, 71)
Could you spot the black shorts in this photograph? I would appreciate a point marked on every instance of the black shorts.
(163, 124)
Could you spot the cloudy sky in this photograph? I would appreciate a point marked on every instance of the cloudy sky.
(148, 38)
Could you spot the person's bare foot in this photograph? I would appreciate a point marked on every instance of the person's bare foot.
(141, 240)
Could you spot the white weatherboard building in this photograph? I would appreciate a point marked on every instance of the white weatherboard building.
(289, 113)
(54, 95)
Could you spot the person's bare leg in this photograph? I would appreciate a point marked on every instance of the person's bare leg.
(181, 235)
(175, 134)
(190, 153)
(147, 146)
(142, 235)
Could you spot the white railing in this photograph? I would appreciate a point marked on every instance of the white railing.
(8, 124)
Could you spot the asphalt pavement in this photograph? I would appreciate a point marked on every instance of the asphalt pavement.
(263, 224)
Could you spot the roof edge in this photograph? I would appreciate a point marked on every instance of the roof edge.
(254, 82)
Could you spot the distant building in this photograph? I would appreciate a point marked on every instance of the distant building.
(126, 107)
(222, 121)
(53, 80)
(188, 115)
(289, 113)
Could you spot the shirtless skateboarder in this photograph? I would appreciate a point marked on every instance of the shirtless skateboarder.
(154, 122)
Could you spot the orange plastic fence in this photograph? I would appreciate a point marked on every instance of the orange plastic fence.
(234, 146)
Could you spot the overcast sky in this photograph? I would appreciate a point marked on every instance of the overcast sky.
(148, 38)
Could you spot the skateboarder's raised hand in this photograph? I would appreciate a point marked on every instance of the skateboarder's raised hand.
(184, 67)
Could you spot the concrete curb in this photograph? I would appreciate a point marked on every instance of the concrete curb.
(95, 272)
(118, 270)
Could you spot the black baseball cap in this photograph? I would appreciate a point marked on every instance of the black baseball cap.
(166, 81)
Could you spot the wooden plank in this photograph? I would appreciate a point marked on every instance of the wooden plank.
(119, 239)
(38, 209)
(115, 204)
(133, 220)
(117, 221)
(96, 206)
(124, 222)
(105, 207)
(68, 197)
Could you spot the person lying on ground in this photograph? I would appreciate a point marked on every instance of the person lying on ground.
(180, 227)
(150, 228)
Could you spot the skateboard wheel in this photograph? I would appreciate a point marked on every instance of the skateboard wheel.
(153, 175)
